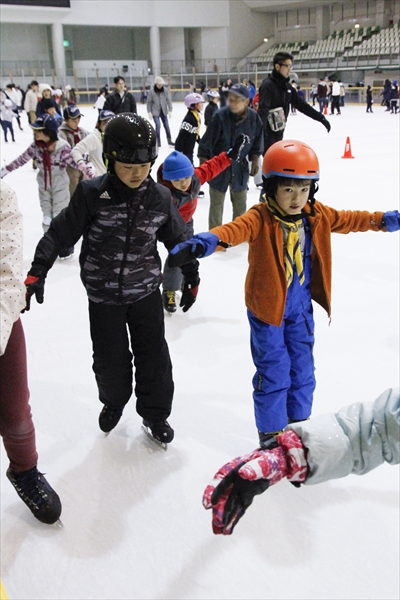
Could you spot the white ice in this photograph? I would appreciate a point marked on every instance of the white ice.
(134, 526)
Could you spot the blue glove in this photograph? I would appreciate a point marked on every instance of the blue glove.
(391, 220)
(199, 246)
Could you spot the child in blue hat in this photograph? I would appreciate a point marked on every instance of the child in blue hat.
(71, 132)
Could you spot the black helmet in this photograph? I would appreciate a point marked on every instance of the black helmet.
(129, 138)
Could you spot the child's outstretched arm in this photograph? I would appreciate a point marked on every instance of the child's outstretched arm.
(348, 221)
(67, 158)
(20, 161)
(214, 166)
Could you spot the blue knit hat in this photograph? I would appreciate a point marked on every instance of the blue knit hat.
(177, 166)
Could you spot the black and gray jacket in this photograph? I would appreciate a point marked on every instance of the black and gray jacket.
(120, 227)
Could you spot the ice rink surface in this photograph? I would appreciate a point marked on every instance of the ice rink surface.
(134, 526)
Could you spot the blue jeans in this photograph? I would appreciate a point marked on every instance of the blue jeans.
(157, 124)
(321, 102)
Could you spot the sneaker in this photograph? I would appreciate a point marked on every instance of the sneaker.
(109, 418)
(66, 253)
(267, 440)
(33, 488)
(169, 301)
(160, 430)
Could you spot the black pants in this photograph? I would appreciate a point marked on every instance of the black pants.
(112, 359)
(335, 104)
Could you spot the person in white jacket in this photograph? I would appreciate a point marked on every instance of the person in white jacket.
(90, 149)
(16, 425)
(355, 440)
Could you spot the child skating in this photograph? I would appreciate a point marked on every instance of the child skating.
(189, 132)
(71, 132)
(212, 106)
(6, 113)
(90, 150)
(52, 157)
(289, 236)
(121, 217)
(184, 182)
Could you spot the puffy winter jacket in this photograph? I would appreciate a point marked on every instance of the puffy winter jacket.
(186, 201)
(40, 111)
(209, 112)
(357, 439)
(72, 136)
(266, 284)
(220, 136)
(120, 104)
(120, 226)
(12, 289)
(92, 145)
(159, 100)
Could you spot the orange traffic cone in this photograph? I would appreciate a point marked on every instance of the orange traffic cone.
(325, 109)
(347, 149)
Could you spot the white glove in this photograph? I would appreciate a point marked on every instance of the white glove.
(3, 172)
(90, 170)
(150, 116)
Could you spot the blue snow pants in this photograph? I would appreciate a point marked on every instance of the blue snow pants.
(284, 382)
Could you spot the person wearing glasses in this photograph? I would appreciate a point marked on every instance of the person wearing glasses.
(276, 96)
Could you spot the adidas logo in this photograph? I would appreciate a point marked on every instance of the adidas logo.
(106, 196)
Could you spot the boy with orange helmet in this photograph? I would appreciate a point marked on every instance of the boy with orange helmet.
(289, 235)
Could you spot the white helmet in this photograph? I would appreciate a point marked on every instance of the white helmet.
(213, 94)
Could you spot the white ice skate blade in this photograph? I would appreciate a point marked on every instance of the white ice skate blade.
(163, 445)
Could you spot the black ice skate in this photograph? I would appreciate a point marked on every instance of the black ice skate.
(169, 301)
(267, 440)
(109, 418)
(159, 431)
(33, 488)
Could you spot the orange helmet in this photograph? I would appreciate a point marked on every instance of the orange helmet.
(290, 158)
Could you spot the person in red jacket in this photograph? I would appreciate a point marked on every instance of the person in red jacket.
(178, 174)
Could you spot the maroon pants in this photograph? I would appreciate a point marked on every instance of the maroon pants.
(16, 425)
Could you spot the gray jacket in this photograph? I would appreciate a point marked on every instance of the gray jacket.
(357, 439)
(159, 101)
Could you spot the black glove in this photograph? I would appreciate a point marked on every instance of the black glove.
(34, 286)
(238, 145)
(326, 124)
(190, 290)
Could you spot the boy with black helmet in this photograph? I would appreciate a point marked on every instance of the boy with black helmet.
(121, 217)
(290, 264)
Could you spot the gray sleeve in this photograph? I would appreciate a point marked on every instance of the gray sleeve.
(357, 439)
(168, 97)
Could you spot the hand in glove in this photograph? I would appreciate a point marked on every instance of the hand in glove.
(234, 486)
(238, 145)
(34, 286)
(189, 292)
(255, 167)
(3, 172)
(326, 124)
(90, 170)
(199, 246)
(391, 220)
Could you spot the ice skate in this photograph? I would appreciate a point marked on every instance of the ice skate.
(33, 488)
(159, 431)
(169, 301)
(109, 418)
(267, 440)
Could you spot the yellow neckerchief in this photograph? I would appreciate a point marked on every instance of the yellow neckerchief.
(292, 254)
(198, 119)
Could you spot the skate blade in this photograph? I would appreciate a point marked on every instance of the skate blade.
(163, 445)
(59, 524)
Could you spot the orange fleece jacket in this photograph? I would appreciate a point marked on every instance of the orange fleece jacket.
(266, 286)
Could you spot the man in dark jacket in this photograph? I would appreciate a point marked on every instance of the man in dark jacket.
(121, 100)
(121, 217)
(227, 123)
(276, 97)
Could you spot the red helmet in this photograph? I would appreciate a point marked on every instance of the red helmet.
(291, 158)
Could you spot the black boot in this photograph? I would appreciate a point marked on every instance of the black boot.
(160, 430)
(267, 440)
(33, 488)
(171, 144)
(109, 418)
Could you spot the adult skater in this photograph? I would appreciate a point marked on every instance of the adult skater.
(184, 182)
(120, 101)
(31, 100)
(7, 115)
(16, 425)
(71, 132)
(159, 108)
(227, 123)
(15, 95)
(121, 216)
(90, 150)
(289, 236)
(46, 93)
(335, 103)
(355, 440)
(369, 99)
(276, 97)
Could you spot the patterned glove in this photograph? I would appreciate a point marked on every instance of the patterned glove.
(190, 290)
(234, 486)
(391, 220)
(326, 124)
(238, 145)
(3, 172)
(199, 246)
(90, 170)
(34, 286)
